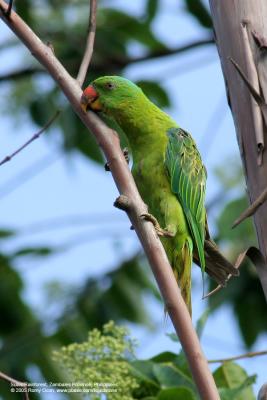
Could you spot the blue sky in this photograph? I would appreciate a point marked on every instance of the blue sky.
(71, 185)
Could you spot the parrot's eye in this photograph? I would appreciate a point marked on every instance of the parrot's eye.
(110, 85)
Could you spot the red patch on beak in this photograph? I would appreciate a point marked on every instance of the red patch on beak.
(89, 99)
(90, 93)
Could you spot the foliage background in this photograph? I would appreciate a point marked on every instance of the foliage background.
(68, 260)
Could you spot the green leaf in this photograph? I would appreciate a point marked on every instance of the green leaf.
(24, 9)
(176, 393)
(244, 391)
(168, 375)
(201, 322)
(247, 300)
(231, 376)
(166, 356)
(149, 398)
(76, 136)
(181, 363)
(34, 251)
(249, 306)
(155, 93)
(143, 372)
(127, 29)
(173, 336)
(199, 12)
(231, 177)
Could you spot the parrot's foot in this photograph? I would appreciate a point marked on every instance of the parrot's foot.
(126, 156)
(160, 231)
(122, 202)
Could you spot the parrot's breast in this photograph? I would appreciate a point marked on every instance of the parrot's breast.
(154, 186)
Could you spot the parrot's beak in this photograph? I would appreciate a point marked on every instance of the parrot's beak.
(90, 99)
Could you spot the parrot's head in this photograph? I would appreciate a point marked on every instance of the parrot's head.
(111, 95)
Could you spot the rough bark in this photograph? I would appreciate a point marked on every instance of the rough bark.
(241, 36)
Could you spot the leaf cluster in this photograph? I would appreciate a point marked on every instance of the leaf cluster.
(163, 377)
(27, 337)
(102, 360)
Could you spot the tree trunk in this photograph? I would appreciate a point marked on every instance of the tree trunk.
(241, 36)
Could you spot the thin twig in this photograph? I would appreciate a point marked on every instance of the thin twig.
(89, 44)
(21, 73)
(262, 395)
(16, 383)
(110, 144)
(166, 52)
(28, 173)
(250, 354)
(254, 256)
(9, 8)
(216, 118)
(34, 137)
(66, 221)
(252, 208)
(123, 62)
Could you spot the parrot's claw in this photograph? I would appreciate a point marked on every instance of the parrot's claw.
(107, 167)
(126, 156)
(160, 231)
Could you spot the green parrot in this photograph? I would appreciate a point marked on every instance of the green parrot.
(169, 175)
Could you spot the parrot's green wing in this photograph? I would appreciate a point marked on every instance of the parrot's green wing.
(188, 181)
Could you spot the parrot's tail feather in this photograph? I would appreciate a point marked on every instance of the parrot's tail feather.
(217, 266)
(182, 272)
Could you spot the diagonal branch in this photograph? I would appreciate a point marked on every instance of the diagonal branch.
(252, 208)
(108, 140)
(9, 8)
(21, 73)
(89, 44)
(250, 354)
(16, 383)
(34, 137)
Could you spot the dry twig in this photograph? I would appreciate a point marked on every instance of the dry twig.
(250, 354)
(34, 137)
(252, 208)
(109, 142)
(89, 44)
(254, 256)
(16, 383)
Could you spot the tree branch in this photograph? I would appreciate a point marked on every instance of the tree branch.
(109, 142)
(21, 73)
(252, 208)
(28, 173)
(236, 42)
(167, 52)
(16, 383)
(89, 44)
(34, 137)
(262, 395)
(9, 8)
